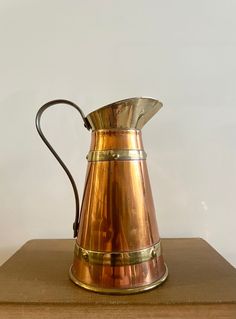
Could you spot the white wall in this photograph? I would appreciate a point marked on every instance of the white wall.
(95, 52)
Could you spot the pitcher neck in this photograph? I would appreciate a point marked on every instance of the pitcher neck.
(116, 139)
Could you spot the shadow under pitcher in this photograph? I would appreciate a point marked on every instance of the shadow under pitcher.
(117, 248)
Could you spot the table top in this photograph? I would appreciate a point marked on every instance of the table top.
(37, 274)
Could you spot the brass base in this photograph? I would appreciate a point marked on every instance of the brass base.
(117, 291)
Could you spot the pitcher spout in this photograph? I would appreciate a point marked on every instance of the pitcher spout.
(131, 113)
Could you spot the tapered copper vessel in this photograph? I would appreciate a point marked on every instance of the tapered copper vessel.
(118, 248)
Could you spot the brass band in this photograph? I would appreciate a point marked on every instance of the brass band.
(118, 258)
(120, 155)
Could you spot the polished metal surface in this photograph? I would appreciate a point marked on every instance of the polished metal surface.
(117, 215)
(131, 113)
(119, 291)
(117, 212)
(118, 258)
(116, 155)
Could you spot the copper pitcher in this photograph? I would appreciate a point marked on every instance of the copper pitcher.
(118, 248)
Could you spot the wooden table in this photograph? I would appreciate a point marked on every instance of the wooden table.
(34, 283)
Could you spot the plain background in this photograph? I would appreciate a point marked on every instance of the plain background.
(96, 52)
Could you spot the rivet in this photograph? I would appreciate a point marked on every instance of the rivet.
(115, 156)
(154, 253)
(85, 256)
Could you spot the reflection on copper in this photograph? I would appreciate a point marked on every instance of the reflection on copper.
(117, 215)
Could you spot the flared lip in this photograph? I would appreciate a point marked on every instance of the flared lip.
(126, 100)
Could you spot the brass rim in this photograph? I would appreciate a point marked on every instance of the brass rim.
(116, 291)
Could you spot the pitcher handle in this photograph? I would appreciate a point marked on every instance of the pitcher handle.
(38, 126)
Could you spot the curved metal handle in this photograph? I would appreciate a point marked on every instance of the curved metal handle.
(38, 126)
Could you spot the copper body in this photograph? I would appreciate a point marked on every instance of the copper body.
(117, 215)
(117, 212)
